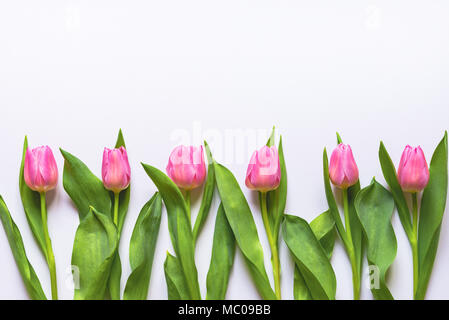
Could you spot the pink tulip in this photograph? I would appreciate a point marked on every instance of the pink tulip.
(264, 171)
(115, 172)
(186, 167)
(343, 170)
(40, 169)
(413, 172)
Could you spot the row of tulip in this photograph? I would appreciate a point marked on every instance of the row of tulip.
(103, 204)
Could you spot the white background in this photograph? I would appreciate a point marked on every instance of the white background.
(73, 72)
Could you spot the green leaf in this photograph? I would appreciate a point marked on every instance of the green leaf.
(177, 287)
(141, 249)
(179, 227)
(323, 228)
(94, 249)
(244, 228)
(208, 195)
(375, 205)
(32, 205)
(389, 172)
(277, 199)
(222, 260)
(433, 203)
(310, 258)
(26, 270)
(356, 227)
(84, 188)
(300, 289)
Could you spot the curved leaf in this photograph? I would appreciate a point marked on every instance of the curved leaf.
(26, 270)
(433, 204)
(177, 287)
(84, 188)
(389, 172)
(244, 228)
(93, 253)
(310, 258)
(32, 205)
(179, 227)
(208, 195)
(222, 260)
(277, 199)
(141, 249)
(323, 228)
(375, 205)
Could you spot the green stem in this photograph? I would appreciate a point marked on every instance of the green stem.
(350, 248)
(414, 243)
(187, 198)
(273, 247)
(116, 205)
(49, 256)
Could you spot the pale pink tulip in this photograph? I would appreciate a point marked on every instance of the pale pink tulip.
(40, 169)
(186, 167)
(264, 172)
(115, 172)
(343, 170)
(413, 172)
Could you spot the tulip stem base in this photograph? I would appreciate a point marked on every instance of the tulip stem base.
(273, 247)
(50, 257)
(350, 247)
(414, 244)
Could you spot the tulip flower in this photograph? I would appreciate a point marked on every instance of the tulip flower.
(40, 169)
(343, 170)
(413, 172)
(264, 172)
(186, 167)
(116, 172)
(41, 175)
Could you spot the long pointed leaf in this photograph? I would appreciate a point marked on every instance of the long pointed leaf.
(141, 249)
(375, 205)
(179, 227)
(310, 258)
(433, 204)
(94, 249)
(244, 228)
(26, 270)
(222, 260)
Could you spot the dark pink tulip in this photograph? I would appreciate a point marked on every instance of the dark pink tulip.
(343, 170)
(413, 172)
(115, 172)
(186, 167)
(40, 169)
(264, 172)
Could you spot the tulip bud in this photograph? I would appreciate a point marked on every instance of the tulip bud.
(186, 167)
(343, 170)
(40, 169)
(115, 172)
(413, 172)
(264, 171)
